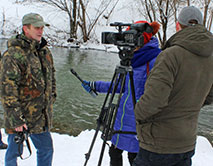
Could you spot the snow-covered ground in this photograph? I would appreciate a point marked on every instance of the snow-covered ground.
(70, 151)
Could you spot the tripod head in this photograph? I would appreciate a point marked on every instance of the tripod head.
(126, 54)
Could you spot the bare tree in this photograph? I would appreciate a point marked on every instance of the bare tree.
(107, 16)
(209, 23)
(205, 12)
(164, 10)
(175, 6)
(87, 23)
(3, 22)
(70, 8)
(188, 2)
(80, 15)
(161, 11)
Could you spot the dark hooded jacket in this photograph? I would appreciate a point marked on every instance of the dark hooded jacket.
(179, 84)
(28, 85)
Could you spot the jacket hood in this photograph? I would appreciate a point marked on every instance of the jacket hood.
(145, 54)
(22, 41)
(196, 39)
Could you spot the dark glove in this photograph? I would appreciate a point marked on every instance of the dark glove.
(89, 86)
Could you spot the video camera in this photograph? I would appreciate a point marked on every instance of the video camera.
(130, 38)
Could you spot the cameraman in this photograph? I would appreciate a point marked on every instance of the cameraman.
(141, 63)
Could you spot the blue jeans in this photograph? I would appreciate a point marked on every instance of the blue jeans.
(147, 158)
(43, 144)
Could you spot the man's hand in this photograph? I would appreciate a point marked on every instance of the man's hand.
(20, 128)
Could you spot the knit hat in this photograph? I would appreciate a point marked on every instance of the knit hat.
(190, 13)
(147, 36)
(34, 19)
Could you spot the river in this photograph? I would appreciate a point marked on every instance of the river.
(75, 110)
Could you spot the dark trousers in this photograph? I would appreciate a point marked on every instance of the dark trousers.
(147, 158)
(116, 156)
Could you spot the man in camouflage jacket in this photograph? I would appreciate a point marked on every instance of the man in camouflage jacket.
(28, 90)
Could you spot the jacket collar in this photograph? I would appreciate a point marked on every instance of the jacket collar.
(22, 41)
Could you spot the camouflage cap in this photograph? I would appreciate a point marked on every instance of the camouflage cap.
(34, 19)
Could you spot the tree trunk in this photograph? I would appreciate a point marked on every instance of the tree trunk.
(210, 21)
(83, 21)
(74, 13)
(206, 7)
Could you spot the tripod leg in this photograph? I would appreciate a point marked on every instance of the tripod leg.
(100, 121)
(112, 108)
(87, 155)
(102, 153)
(109, 90)
(132, 87)
(112, 111)
(123, 79)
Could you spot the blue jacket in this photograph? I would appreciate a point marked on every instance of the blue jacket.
(142, 62)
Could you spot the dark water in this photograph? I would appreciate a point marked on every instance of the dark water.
(75, 110)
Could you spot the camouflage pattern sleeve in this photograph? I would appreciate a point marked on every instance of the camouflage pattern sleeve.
(10, 80)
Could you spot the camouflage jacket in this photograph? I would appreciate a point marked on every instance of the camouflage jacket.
(28, 85)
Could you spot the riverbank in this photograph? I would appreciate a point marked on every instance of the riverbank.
(69, 149)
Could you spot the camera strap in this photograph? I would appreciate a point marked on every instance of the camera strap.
(147, 69)
(124, 132)
(24, 137)
(29, 149)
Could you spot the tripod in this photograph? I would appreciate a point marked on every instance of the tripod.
(110, 106)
